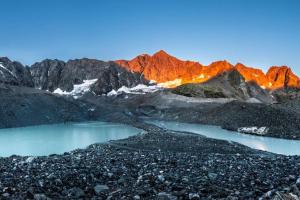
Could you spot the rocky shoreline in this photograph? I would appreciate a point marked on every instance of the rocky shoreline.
(278, 120)
(156, 164)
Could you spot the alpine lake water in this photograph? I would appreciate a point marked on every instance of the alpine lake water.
(59, 138)
(270, 144)
(44, 140)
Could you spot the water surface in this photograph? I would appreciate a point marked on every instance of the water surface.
(59, 138)
(275, 145)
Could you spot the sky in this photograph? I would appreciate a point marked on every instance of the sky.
(258, 33)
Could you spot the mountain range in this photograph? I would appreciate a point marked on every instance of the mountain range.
(158, 86)
(161, 68)
(164, 68)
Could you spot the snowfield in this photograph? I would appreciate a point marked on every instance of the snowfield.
(1, 66)
(171, 84)
(139, 89)
(81, 89)
(78, 90)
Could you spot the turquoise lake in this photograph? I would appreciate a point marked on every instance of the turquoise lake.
(59, 138)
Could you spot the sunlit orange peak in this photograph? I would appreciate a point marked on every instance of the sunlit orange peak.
(170, 71)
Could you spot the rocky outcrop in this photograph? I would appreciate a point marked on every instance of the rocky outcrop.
(211, 71)
(229, 84)
(283, 77)
(276, 77)
(46, 75)
(14, 73)
(114, 77)
(75, 71)
(254, 75)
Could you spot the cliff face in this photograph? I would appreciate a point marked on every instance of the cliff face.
(276, 77)
(46, 74)
(171, 72)
(229, 84)
(254, 75)
(53, 74)
(211, 71)
(14, 73)
(282, 77)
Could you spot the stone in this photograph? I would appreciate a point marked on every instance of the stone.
(29, 159)
(194, 196)
(165, 196)
(100, 188)
(212, 176)
(161, 178)
(58, 181)
(5, 195)
(185, 180)
(298, 182)
(137, 197)
(76, 192)
(40, 197)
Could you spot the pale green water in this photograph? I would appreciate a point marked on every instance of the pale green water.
(59, 138)
(275, 145)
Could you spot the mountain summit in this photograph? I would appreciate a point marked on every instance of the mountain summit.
(171, 71)
(162, 67)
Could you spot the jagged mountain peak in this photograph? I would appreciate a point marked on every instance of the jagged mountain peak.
(4, 59)
(162, 67)
(282, 76)
(161, 53)
(14, 73)
(221, 62)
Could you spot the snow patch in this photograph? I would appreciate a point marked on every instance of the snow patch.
(254, 130)
(171, 84)
(112, 93)
(152, 82)
(201, 76)
(92, 109)
(139, 89)
(61, 92)
(253, 100)
(78, 90)
(2, 66)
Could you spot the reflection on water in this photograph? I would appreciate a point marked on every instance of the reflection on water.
(275, 145)
(59, 138)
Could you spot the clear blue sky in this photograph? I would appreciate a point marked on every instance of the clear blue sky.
(259, 33)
